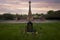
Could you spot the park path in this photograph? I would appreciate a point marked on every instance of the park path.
(25, 21)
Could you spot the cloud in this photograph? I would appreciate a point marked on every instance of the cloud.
(18, 6)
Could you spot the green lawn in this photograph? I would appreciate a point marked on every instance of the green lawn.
(47, 31)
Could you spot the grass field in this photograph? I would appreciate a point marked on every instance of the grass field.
(48, 31)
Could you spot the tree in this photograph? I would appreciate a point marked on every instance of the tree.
(1, 17)
(53, 14)
(50, 12)
(8, 16)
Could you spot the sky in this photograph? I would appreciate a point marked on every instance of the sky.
(22, 6)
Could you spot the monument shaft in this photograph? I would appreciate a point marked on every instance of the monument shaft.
(30, 18)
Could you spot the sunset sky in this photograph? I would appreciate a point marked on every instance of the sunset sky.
(21, 6)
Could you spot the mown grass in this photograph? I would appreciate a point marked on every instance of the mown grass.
(13, 31)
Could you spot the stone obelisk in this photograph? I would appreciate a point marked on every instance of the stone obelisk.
(30, 18)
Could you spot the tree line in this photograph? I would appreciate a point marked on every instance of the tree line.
(51, 15)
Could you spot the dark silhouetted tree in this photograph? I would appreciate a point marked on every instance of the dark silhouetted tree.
(53, 15)
(8, 16)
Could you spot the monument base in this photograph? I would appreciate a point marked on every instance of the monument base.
(30, 27)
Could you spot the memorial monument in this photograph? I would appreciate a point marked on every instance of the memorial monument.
(30, 18)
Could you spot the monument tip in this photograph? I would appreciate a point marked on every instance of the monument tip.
(29, 1)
